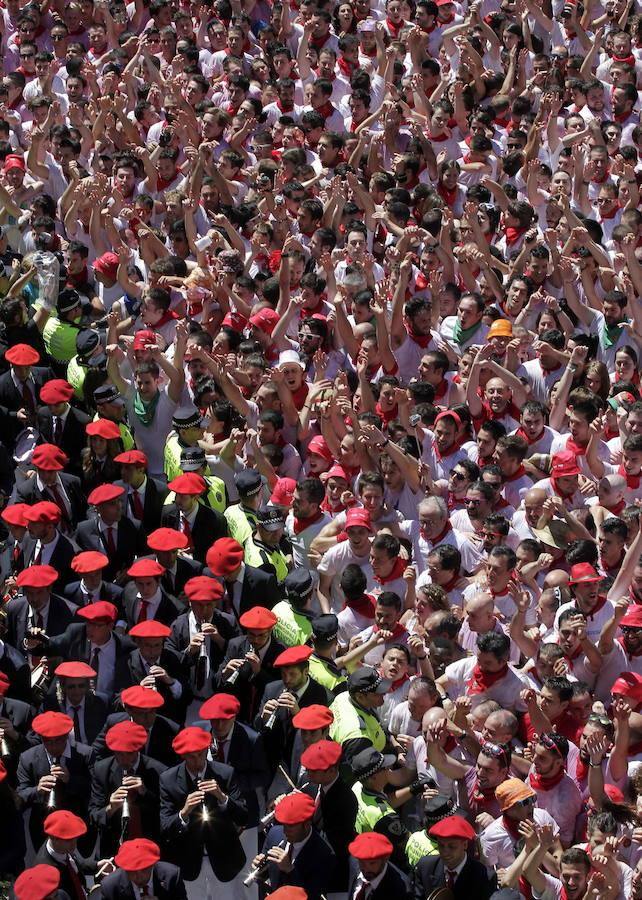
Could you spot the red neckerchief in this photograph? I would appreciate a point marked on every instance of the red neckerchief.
(438, 140)
(455, 447)
(163, 183)
(538, 783)
(397, 684)
(575, 448)
(480, 682)
(346, 67)
(570, 657)
(285, 109)
(299, 396)
(518, 474)
(610, 570)
(168, 316)
(601, 600)
(301, 524)
(387, 417)
(600, 180)
(451, 743)
(605, 217)
(397, 571)
(448, 196)
(398, 631)
(629, 60)
(363, 606)
(81, 278)
(318, 42)
(511, 827)
(442, 534)
(394, 28)
(325, 506)
(520, 431)
(442, 389)
(422, 340)
(513, 234)
(581, 770)
(421, 282)
(632, 481)
(482, 796)
(326, 110)
(559, 492)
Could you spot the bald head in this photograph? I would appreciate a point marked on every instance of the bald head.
(433, 717)
(557, 578)
(480, 612)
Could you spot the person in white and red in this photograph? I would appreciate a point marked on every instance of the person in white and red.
(556, 791)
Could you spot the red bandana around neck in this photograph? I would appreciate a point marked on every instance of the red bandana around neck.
(513, 235)
(301, 524)
(394, 27)
(581, 770)
(520, 431)
(575, 448)
(398, 569)
(480, 682)
(363, 606)
(439, 537)
(398, 631)
(539, 783)
(632, 481)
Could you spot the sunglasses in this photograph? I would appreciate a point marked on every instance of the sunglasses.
(459, 476)
(470, 502)
(527, 801)
(547, 741)
(496, 751)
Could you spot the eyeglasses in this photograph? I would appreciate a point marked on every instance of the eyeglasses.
(58, 37)
(630, 629)
(603, 721)
(497, 751)
(547, 741)
(470, 502)
(459, 476)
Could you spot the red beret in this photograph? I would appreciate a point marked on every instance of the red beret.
(105, 493)
(137, 854)
(126, 737)
(583, 573)
(141, 697)
(5, 684)
(312, 717)
(64, 825)
(224, 556)
(3, 771)
(52, 724)
(22, 355)
(146, 568)
(288, 892)
(100, 611)
(220, 706)
(321, 756)
(150, 628)
(37, 883)
(49, 457)
(37, 577)
(103, 428)
(131, 458)
(188, 483)
(74, 670)
(203, 589)
(56, 391)
(453, 827)
(293, 656)
(15, 514)
(370, 845)
(191, 740)
(167, 539)
(258, 618)
(294, 809)
(89, 561)
(45, 512)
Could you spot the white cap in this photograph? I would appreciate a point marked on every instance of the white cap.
(289, 356)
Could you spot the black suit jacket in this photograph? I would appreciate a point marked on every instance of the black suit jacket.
(18, 612)
(247, 757)
(394, 884)
(186, 568)
(16, 668)
(159, 742)
(179, 642)
(66, 885)
(130, 543)
(19, 714)
(175, 668)
(209, 525)
(108, 591)
(107, 776)
(335, 819)
(11, 400)
(27, 492)
(248, 687)
(168, 609)
(60, 559)
(94, 713)
(155, 494)
(218, 837)
(167, 884)
(473, 880)
(74, 436)
(313, 866)
(74, 645)
(259, 589)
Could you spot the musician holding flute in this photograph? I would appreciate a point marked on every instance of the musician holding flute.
(138, 866)
(63, 830)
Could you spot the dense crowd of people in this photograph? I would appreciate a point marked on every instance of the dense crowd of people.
(321, 450)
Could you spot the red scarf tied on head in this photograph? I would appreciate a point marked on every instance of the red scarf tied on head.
(481, 682)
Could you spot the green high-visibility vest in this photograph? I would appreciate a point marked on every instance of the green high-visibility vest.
(76, 377)
(240, 522)
(258, 555)
(352, 722)
(324, 673)
(125, 434)
(371, 807)
(418, 846)
(216, 494)
(292, 628)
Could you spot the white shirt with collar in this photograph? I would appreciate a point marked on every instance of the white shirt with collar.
(370, 886)
(32, 616)
(103, 527)
(295, 848)
(66, 753)
(62, 419)
(152, 604)
(47, 549)
(90, 596)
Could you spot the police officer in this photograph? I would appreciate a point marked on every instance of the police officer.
(187, 423)
(193, 459)
(356, 725)
(374, 812)
(110, 405)
(323, 667)
(241, 517)
(87, 370)
(264, 550)
(294, 624)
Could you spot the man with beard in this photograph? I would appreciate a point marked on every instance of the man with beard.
(502, 395)
(556, 791)
(575, 872)
(434, 529)
(587, 600)
(620, 645)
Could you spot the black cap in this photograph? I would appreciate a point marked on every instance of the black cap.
(67, 299)
(325, 627)
(270, 518)
(107, 393)
(298, 585)
(87, 343)
(192, 459)
(248, 482)
(368, 681)
(370, 761)
(186, 417)
(437, 808)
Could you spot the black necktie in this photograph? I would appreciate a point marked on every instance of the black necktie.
(77, 724)
(57, 432)
(95, 660)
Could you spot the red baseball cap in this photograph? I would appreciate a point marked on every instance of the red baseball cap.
(224, 556)
(629, 684)
(64, 825)
(633, 617)
(321, 756)
(203, 589)
(49, 458)
(336, 472)
(167, 539)
(52, 724)
(564, 465)
(44, 512)
(258, 619)
(15, 514)
(583, 573)
(22, 355)
(294, 809)
(370, 845)
(126, 737)
(137, 854)
(283, 492)
(74, 670)
(103, 428)
(191, 740)
(144, 337)
(37, 577)
(313, 717)
(131, 458)
(150, 628)
(37, 883)
(141, 697)
(56, 391)
(107, 264)
(358, 517)
(220, 706)
(146, 568)
(100, 611)
(105, 493)
(293, 656)
(319, 446)
(266, 319)
(453, 827)
(188, 483)
(89, 561)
